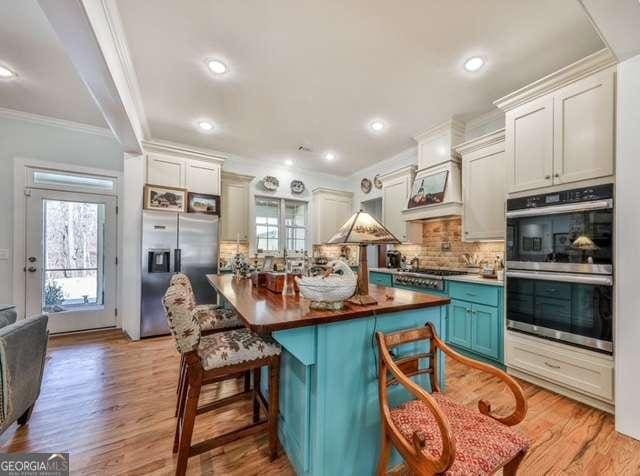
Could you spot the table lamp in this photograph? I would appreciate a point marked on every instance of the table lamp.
(362, 229)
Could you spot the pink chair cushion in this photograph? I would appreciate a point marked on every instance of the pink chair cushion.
(483, 445)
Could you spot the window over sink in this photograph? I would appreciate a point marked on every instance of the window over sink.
(280, 224)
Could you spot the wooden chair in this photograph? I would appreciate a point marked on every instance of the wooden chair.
(212, 318)
(434, 434)
(216, 357)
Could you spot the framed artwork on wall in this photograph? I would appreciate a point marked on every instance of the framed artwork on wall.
(168, 199)
(203, 203)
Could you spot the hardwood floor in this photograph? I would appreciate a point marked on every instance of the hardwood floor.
(109, 402)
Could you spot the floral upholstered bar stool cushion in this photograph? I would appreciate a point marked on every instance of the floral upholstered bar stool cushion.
(211, 317)
(183, 325)
(234, 347)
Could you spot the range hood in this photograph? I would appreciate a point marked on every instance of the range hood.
(437, 160)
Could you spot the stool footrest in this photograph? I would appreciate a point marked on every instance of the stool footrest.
(207, 407)
(212, 443)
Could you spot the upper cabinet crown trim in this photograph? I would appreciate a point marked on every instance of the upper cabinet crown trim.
(407, 170)
(236, 177)
(440, 129)
(331, 191)
(182, 150)
(586, 66)
(481, 142)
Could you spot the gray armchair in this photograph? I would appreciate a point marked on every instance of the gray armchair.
(23, 347)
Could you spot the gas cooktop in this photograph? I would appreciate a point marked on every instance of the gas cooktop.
(438, 271)
(429, 278)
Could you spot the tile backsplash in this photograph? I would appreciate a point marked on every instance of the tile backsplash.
(443, 246)
(332, 252)
(228, 250)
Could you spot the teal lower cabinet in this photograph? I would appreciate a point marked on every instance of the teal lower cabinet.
(381, 279)
(329, 410)
(459, 332)
(475, 321)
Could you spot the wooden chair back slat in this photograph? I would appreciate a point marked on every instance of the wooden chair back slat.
(406, 337)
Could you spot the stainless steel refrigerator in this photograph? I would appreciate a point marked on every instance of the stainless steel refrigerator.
(172, 243)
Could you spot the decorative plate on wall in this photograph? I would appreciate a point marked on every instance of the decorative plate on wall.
(270, 183)
(365, 185)
(297, 186)
(377, 182)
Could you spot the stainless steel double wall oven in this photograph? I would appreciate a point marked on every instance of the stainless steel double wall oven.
(560, 266)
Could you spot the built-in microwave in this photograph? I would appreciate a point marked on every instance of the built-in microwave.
(559, 279)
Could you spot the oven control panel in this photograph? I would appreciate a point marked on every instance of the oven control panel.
(588, 194)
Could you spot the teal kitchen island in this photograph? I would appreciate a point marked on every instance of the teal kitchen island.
(329, 412)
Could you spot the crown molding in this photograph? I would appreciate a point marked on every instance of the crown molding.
(233, 176)
(482, 120)
(406, 170)
(55, 122)
(332, 191)
(453, 126)
(582, 68)
(188, 151)
(481, 142)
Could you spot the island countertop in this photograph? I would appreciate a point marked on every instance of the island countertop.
(264, 311)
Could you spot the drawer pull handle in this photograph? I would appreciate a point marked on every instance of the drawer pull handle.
(551, 365)
(471, 294)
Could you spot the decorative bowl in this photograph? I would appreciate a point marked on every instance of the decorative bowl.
(326, 291)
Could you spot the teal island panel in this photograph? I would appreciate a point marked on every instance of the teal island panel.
(329, 411)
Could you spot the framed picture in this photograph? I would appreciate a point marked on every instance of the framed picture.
(169, 199)
(428, 190)
(203, 203)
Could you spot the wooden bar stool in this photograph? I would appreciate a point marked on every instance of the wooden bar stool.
(212, 318)
(434, 434)
(212, 358)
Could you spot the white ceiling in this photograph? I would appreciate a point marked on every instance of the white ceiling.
(311, 73)
(315, 73)
(47, 83)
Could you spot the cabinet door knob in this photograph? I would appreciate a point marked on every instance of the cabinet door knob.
(557, 175)
(547, 177)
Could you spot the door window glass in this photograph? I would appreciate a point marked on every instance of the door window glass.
(73, 274)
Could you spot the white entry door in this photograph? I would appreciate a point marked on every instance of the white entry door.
(70, 262)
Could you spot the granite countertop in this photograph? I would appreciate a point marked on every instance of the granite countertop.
(465, 278)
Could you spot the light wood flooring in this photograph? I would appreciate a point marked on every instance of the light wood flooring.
(109, 402)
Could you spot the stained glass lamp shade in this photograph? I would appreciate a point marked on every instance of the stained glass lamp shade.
(362, 229)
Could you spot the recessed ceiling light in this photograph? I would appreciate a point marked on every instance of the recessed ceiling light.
(6, 72)
(329, 156)
(473, 64)
(377, 126)
(217, 66)
(205, 126)
(288, 162)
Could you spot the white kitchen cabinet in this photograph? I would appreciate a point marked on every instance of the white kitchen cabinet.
(396, 189)
(331, 209)
(235, 207)
(483, 187)
(166, 170)
(529, 145)
(199, 176)
(566, 135)
(203, 177)
(584, 129)
(581, 374)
